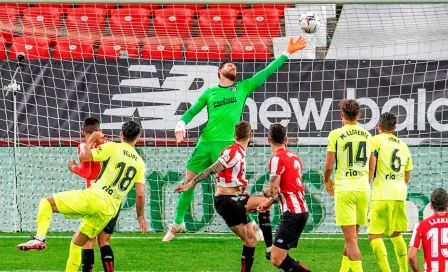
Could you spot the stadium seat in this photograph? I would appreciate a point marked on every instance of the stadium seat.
(41, 22)
(8, 20)
(260, 22)
(118, 47)
(19, 7)
(167, 48)
(33, 47)
(143, 6)
(2, 48)
(194, 7)
(279, 7)
(73, 49)
(129, 22)
(206, 48)
(218, 22)
(250, 48)
(85, 23)
(173, 22)
(228, 6)
(107, 7)
(63, 8)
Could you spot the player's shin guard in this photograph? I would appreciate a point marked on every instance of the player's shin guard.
(345, 265)
(401, 252)
(380, 251)
(74, 258)
(265, 226)
(44, 214)
(184, 202)
(107, 257)
(247, 259)
(356, 266)
(291, 265)
(88, 259)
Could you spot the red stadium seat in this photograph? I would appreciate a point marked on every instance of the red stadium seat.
(2, 48)
(260, 22)
(62, 7)
(206, 48)
(33, 47)
(143, 6)
(218, 22)
(279, 7)
(8, 19)
(107, 7)
(194, 7)
(129, 22)
(167, 48)
(118, 47)
(228, 6)
(250, 48)
(41, 22)
(173, 22)
(19, 7)
(85, 23)
(73, 49)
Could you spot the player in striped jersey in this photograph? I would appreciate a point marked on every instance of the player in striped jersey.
(432, 235)
(286, 184)
(231, 181)
(90, 170)
(389, 190)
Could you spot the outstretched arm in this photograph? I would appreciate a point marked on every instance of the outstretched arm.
(215, 168)
(260, 77)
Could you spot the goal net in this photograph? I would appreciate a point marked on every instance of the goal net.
(150, 63)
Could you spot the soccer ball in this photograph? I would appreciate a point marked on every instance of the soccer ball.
(309, 22)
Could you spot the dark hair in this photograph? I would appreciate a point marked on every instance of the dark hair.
(91, 125)
(277, 134)
(388, 121)
(439, 200)
(242, 130)
(222, 66)
(130, 130)
(350, 108)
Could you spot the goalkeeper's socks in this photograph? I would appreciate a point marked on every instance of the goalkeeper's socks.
(107, 257)
(44, 214)
(380, 251)
(291, 265)
(247, 259)
(88, 259)
(264, 222)
(401, 252)
(184, 202)
(356, 266)
(345, 265)
(74, 258)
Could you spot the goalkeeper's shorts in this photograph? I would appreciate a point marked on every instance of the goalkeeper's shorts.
(387, 217)
(205, 154)
(96, 212)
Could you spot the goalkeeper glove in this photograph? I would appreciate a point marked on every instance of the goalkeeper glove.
(180, 131)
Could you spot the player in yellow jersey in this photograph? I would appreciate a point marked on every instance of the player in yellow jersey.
(389, 189)
(350, 147)
(122, 167)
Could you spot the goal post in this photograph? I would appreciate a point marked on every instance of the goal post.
(149, 61)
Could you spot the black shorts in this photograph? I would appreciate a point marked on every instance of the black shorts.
(232, 209)
(289, 230)
(111, 225)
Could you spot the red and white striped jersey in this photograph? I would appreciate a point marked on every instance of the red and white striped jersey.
(288, 166)
(232, 158)
(432, 235)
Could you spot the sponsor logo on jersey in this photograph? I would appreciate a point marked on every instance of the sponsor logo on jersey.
(224, 101)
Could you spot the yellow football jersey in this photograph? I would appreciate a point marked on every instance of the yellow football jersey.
(353, 148)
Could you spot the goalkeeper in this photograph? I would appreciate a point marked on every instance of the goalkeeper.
(225, 104)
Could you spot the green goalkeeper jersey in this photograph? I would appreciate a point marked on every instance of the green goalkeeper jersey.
(225, 105)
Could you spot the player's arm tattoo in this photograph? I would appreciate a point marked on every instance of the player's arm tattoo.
(272, 190)
(215, 168)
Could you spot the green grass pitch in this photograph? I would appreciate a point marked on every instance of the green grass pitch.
(187, 252)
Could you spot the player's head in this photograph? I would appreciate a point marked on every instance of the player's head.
(90, 125)
(350, 110)
(387, 122)
(439, 200)
(243, 131)
(277, 135)
(227, 69)
(130, 132)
